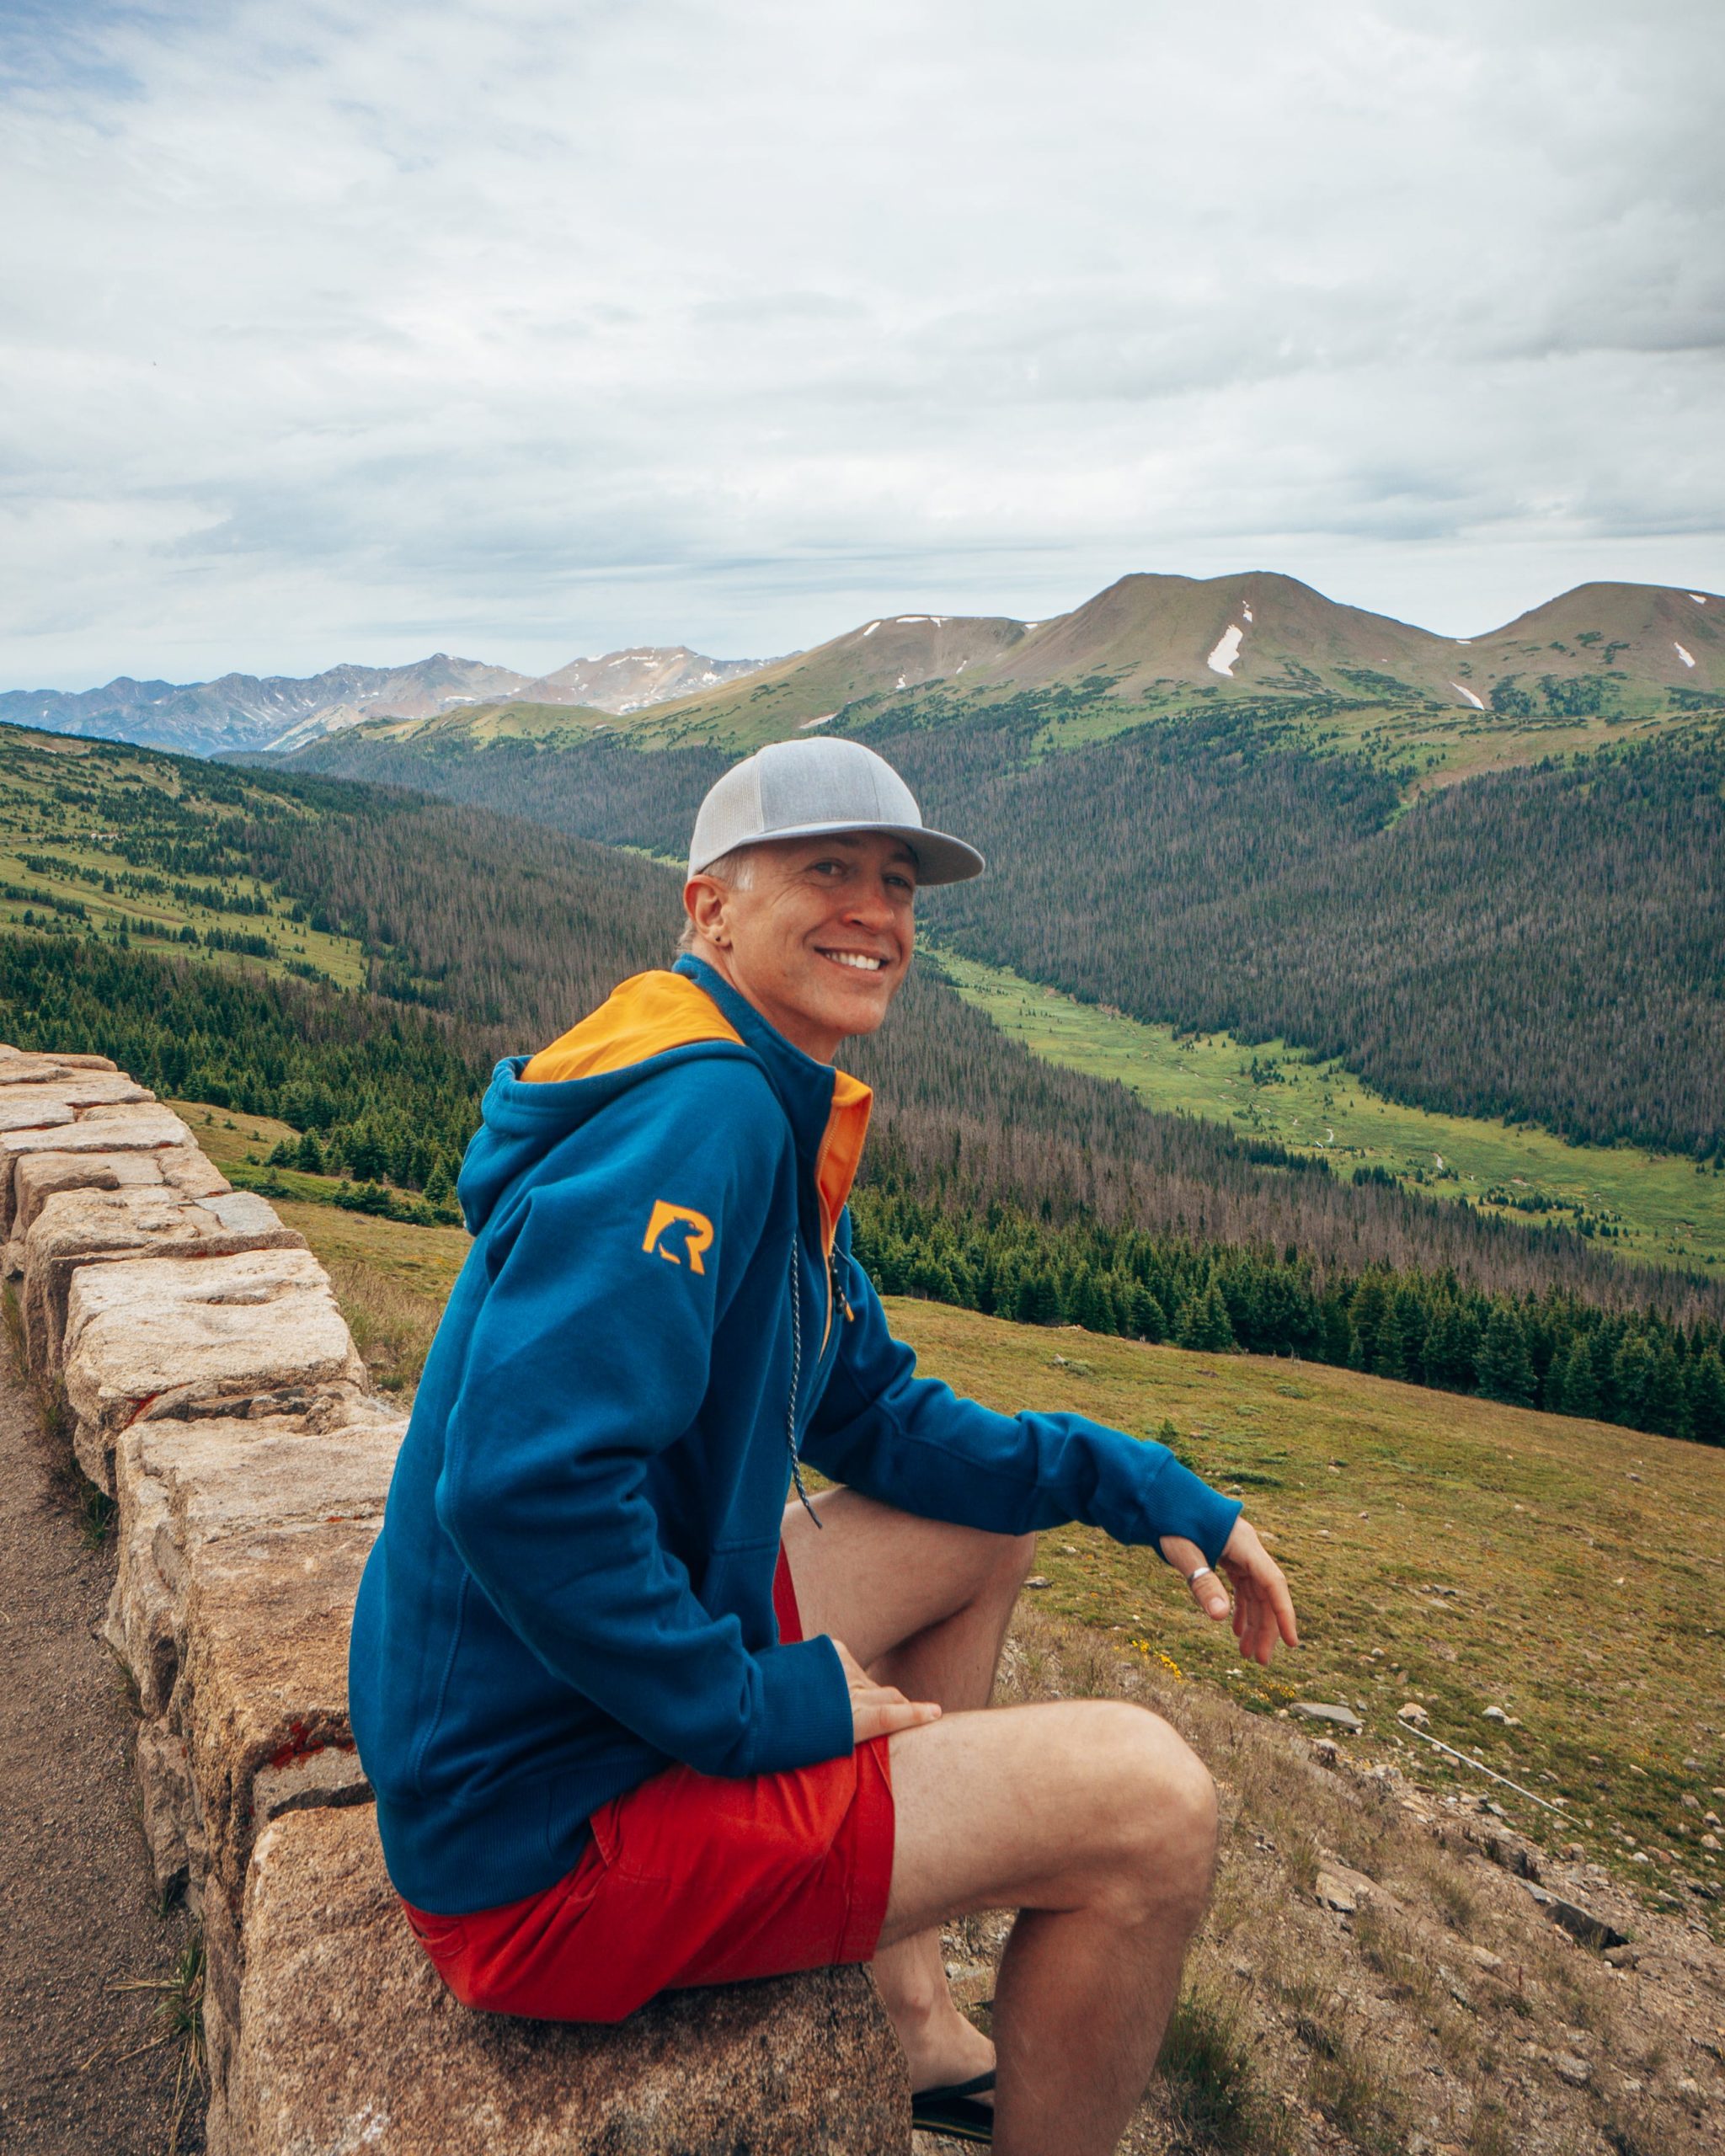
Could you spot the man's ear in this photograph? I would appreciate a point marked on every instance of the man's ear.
(704, 901)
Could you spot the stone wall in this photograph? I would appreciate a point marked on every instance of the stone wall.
(216, 1393)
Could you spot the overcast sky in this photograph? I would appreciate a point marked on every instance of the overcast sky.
(350, 329)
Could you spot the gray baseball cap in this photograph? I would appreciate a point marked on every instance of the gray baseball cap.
(802, 789)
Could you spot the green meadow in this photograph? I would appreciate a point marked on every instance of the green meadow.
(1652, 1207)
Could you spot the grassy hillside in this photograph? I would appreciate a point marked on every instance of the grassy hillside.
(1658, 1206)
(440, 927)
(1457, 1553)
(128, 846)
(883, 657)
(1602, 646)
(515, 718)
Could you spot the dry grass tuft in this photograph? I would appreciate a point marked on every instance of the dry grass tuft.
(179, 2017)
(1212, 2098)
(393, 1325)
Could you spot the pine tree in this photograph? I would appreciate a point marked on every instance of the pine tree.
(1386, 1357)
(1338, 1343)
(1665, 1404)
(365, 1156)
(1445, 1360)
(1577, 1392)
(1090, 1305)
(1039, 1298)
(1602, 1348)
(1707, 1398)
(1630, 1367)
(1502, 1365)
(1203, 1324)
(1148, 1320)
(1370, 1309)
(1409, 1320)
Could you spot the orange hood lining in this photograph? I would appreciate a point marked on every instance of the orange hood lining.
(642, 1017)
(840, 1150)
(651, 1012)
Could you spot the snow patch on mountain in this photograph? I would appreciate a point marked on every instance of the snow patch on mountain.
(1222, 659)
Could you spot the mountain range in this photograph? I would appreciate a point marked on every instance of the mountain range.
(1616, 650)
(1610, 648)
(281, 713)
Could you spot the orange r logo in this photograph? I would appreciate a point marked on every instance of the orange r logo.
(698, 1238)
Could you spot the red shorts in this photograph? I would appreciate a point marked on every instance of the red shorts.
(690, 1880)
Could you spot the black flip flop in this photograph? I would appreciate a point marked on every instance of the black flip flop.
(955, 2111)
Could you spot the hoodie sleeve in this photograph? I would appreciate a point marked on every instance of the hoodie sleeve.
(913, 1442)
(590, 1355)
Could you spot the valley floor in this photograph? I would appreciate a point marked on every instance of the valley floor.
(1641, 1205)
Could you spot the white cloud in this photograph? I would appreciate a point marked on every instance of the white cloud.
(350, 329)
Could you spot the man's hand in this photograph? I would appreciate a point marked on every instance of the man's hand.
(1262, 1606)
(882, 1709)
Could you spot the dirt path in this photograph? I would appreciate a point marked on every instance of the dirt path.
(78, 1914)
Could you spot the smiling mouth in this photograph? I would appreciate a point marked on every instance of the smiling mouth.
(857, 961)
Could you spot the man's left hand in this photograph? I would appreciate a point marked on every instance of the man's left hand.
(1262, 1608)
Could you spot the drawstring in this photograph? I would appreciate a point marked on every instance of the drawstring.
(796, 1380)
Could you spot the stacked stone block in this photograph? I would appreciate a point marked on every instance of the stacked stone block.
(217, 1393)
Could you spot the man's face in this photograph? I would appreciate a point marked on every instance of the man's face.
(821, 939)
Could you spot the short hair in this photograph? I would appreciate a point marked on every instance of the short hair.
(736, 870)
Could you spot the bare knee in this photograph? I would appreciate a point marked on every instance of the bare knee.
(1157, 1805)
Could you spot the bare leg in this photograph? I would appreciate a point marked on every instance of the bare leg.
(924, 1606)
(1093, 1820)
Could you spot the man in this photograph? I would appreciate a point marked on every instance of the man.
(633, 1722)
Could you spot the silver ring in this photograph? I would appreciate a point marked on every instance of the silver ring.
(1204, 1570)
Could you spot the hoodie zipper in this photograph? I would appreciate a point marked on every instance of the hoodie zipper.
(791, 1444)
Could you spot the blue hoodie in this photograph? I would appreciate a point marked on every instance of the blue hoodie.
(573, 1587)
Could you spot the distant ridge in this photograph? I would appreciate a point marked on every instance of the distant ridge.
(1262, 630)
(282, 713)
(1626, 648)
(1610, 650)
(623, 681)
